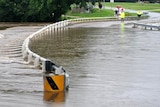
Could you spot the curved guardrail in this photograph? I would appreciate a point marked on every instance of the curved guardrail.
(39, 61)
(146, 26)
(32, 57)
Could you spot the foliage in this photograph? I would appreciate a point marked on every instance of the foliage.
(13, 10)
(33, 10)
(152, 1)
(52, 10)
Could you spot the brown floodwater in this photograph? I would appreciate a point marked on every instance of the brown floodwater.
(110, 64)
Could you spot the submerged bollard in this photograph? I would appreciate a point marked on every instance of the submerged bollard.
(55, 78)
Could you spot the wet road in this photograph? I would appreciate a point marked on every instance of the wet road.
(110, 64)
(20, 84)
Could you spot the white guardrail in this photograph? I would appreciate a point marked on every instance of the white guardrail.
(147, 26)
(39, 61)
(32, 57)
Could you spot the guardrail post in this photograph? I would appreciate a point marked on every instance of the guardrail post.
(30, 58)
(24, 54)
(43, 66)
(134, 25)
(36, 62)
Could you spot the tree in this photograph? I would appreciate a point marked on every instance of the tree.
(33, 10)
(61, 7)
(152, 1)
(13, 10)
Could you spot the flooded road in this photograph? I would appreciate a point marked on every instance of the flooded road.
(110, 64)
(20, 84)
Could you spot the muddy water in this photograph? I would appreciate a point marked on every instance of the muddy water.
(115, 65)
(20, 84)
(109, 65)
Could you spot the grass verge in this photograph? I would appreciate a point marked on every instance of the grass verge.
(134, 6)
(110, 13)
(96, 13)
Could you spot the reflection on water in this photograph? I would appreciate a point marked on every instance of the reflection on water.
(75, 43)
(108, 66)
(54, 96)
(68, 44)
(122, 26)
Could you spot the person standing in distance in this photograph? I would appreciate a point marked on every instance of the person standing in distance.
(122, 15)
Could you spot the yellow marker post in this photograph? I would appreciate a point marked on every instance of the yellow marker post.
(54, 82)
(55, 78)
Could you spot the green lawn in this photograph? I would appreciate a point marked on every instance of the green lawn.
(134, 6)
(110, 13)
(96, 13)
(156, 10)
